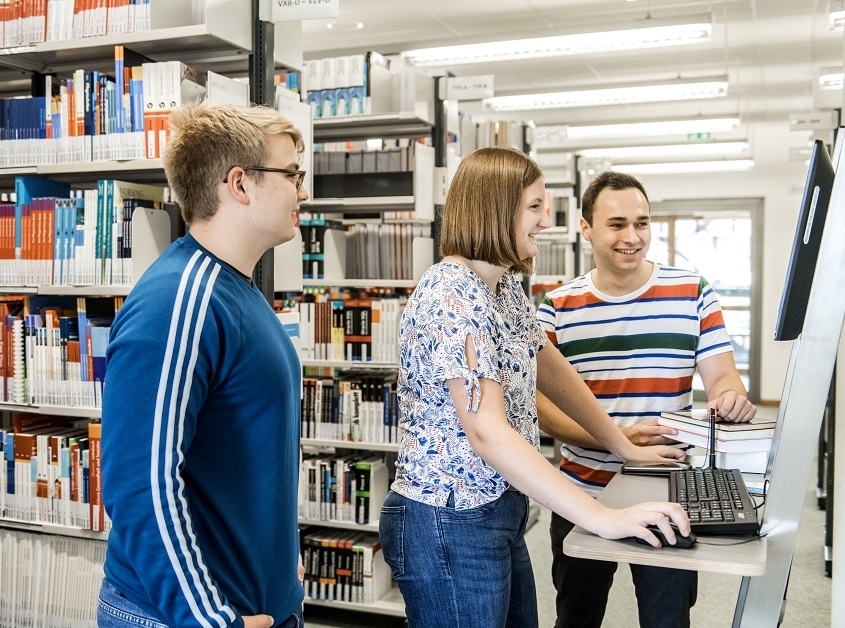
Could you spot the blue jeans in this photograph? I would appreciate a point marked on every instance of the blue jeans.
(664, 596)
(461, 568)
(115, 611)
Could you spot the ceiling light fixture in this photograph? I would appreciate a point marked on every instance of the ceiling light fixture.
(671, 90)
(637, 129)
(707, 149)
(647, 33)
(561, 135)
(831, 79)
(686, 167)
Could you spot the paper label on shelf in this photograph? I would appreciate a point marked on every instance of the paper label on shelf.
(291, 10)
(469, 87)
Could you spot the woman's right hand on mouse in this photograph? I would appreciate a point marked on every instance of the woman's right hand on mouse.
(633, 521)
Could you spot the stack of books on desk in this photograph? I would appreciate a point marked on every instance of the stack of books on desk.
(743, 446)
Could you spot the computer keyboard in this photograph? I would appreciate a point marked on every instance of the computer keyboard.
(716, 500)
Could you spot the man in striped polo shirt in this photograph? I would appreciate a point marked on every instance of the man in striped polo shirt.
(637, 332)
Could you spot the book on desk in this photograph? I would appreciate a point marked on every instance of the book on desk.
(744, 446)
(697, 422)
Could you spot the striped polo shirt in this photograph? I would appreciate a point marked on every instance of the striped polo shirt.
(637, 352)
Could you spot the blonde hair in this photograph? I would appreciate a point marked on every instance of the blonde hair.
(209, 139)
(482, 206)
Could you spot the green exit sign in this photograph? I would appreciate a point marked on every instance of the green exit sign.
(697, 137)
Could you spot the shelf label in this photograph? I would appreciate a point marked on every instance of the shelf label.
(699, 137)
(469, 87)
(291, 10)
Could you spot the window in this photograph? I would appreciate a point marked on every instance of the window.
(717, 239)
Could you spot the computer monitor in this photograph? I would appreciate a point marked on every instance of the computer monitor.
(805, 244)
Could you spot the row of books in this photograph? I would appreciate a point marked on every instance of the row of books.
(348, 488)
(334, 251)
(49, 581)
(356, 329)
(50, 235)
(336, 86)
(50, 472)
(362, 84)
(353, 407)
(53, 349)
(743, 446)
(94, 116)
(382, 251)
(319, 234)
(391, 156)
(344, 566)
(554, 258)
(36, 21)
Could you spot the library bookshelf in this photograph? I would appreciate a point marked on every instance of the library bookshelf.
(381, 199)
(51, 568)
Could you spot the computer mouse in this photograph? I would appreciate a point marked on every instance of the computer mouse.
(683, 542)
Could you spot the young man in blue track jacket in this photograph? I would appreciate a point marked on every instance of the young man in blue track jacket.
(200, 445)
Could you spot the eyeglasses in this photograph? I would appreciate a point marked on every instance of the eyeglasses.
(299, 174)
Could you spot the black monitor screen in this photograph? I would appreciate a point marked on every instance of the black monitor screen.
(805, 245)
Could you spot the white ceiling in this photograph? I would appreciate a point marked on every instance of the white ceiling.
(770, 50)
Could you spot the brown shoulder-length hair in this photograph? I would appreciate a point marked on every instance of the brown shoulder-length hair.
(482, 205)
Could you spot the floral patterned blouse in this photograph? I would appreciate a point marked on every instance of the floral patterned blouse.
(450, 303)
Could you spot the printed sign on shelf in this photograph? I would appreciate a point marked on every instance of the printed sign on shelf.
(291, 10)
(469, 87)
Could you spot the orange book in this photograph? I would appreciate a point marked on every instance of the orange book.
(39, 21)
(5, 12)
(95, 498)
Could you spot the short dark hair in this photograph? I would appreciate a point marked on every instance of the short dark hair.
(607, 179)
(482, 206)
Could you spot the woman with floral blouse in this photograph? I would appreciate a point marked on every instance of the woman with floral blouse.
(471, 357)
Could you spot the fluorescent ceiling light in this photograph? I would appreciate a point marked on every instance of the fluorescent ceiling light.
(646, 129)
(648, 33)
(708, 149)
(686, 167)
(831, 78)
(836, 14)
(673, 90)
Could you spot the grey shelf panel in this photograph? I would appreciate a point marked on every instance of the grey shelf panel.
(191, 44)
(71, 291)
(390, 604)
(341, 525)
(18, 290)
(137, 170)
(350, 364)
(51, 528)
(14, 82)
(360, 283)
(105, 168)
(383, 125)
(71, 411)
(360, 205)
(346, 444)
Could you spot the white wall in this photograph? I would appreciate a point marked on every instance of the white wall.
(779, 183)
